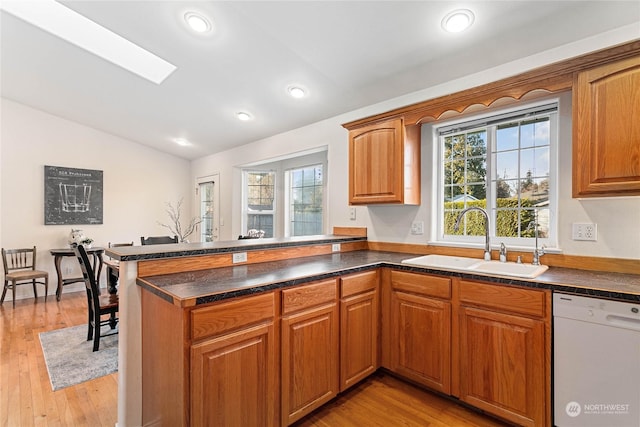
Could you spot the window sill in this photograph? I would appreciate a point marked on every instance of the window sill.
(494, 246)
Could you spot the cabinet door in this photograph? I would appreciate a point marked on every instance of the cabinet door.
(309, 360)
(421, 339)
(502, 368)
(384, 164)
(606, 139)
(358, 338)
(233, 379)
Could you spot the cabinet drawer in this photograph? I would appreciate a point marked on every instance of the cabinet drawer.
(359, 283)
(529, 302)
(306, 296)
(434, 286)
(227, 316)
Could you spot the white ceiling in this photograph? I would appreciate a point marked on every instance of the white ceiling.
(348, 54)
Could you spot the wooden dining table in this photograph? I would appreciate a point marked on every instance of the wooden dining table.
(59, 254)
(113, 274)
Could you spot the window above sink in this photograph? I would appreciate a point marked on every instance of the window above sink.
(505, 162)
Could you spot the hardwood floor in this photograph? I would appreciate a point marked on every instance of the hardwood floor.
(385, 401)
(26, 398)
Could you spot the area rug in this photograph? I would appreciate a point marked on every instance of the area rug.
(70, 357)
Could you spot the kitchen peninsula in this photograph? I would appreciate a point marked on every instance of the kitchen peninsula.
(198, 307)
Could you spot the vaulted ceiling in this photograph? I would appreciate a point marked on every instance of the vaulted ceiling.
(345, 54)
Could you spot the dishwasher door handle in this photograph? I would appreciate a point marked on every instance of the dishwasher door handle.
(624, 322)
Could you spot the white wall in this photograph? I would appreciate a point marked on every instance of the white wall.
(138, 181)
(618, 219)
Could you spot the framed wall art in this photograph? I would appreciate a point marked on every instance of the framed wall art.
(72, 196)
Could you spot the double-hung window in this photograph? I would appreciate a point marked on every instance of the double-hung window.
(259, 201)
(504, 163)
(304, 201)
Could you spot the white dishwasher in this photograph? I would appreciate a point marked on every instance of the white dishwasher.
(596, 369)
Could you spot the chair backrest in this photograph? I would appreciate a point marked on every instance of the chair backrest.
(88, 275)
(18, 259)
(158, 240)
(116, 245)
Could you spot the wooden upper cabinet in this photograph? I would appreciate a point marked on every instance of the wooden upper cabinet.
(384, 164)
(606, 130)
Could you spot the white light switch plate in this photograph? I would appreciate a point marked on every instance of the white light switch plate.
(352, 213)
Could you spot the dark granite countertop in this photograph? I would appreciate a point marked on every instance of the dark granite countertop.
(201, 287)
(173, 250)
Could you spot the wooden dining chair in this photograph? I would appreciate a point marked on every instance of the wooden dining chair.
(98, 305)
(158, 240)
(20, 269)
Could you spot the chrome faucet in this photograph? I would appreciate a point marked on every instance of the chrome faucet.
(503, 253)
(487, 247)
(537, 253)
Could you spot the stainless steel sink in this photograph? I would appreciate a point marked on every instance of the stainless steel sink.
(475, 265)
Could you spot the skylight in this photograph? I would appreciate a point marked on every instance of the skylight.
(69, 25)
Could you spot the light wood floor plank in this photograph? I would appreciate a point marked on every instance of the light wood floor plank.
(383, 400)
(26, 397)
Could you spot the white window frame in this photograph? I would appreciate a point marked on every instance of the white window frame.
(287, 201)
(246, 211)
(437, 235)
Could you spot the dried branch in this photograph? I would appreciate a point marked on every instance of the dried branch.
(175, 227)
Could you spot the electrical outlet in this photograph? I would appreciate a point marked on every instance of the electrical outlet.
(417, 227)
(239, 257)
(335, 247)
(585, 231)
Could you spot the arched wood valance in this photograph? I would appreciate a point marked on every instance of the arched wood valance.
(553, 78)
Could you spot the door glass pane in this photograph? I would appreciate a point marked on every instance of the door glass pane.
(207, 230)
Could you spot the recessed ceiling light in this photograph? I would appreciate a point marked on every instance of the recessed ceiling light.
(458, 20)
(181, 141)
(69, 25)
(243, 115)
(296, 91)
(197, 22)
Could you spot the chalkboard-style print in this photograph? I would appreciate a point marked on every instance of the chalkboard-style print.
(72, 196)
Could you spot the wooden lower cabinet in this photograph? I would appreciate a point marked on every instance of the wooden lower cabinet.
(309, 348)
(420, 330)
(359, 325)
(233, 379)
(502, 365)
(210, 365)
(421, 340)
(270, 359)
(504, 351)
